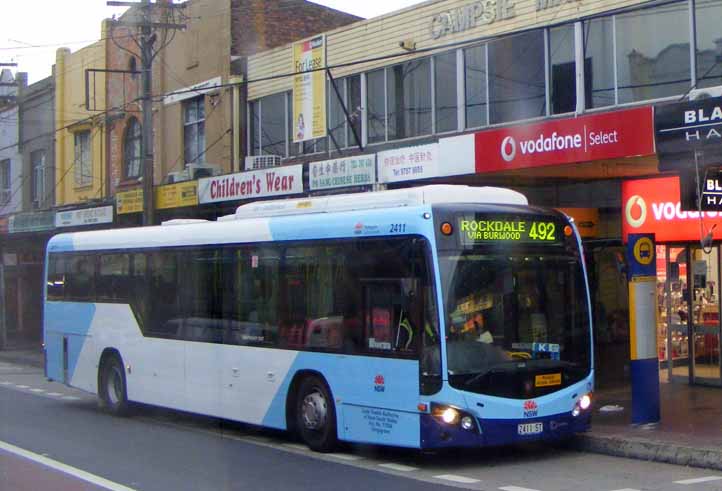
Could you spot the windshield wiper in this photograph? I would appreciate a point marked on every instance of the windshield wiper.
(494, 369)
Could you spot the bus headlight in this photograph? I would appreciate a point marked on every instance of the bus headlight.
(449, 415)
(582, 404)
(585, 402)
(453, 417)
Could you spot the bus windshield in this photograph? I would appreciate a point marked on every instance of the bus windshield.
(517, 322)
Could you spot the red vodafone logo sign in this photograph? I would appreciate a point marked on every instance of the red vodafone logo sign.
(564, 141)
(653, 206)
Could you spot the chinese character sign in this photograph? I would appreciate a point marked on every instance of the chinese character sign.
(345, 172)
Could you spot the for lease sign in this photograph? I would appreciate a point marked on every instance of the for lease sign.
(277, 181)
(568, 140)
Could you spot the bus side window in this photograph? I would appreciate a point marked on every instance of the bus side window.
(56, 277)
(80, 278)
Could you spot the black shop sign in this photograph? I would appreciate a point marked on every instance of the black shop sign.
(686, 131)
(712, 191)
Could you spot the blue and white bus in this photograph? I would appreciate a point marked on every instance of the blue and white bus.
(428, 317)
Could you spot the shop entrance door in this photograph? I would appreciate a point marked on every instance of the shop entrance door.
(673, 302)
(704, 275)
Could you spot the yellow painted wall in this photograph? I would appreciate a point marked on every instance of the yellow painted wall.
(72, 115)
(380, 36)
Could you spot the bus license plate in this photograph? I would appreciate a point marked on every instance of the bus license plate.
(530, 428)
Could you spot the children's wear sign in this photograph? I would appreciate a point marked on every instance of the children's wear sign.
(276, 181)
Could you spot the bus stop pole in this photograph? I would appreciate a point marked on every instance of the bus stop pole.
(642, 272)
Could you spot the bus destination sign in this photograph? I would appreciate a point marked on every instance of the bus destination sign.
(512, 229)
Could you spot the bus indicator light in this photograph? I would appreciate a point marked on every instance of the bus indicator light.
(447, 228)
(567, 231)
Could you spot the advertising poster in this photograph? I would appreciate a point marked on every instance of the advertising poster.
(309, 89)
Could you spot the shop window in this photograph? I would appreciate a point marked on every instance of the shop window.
(293, 148)
(709, 42)
(254, 124)
(317, 145)
(336, 116)
(599, 61)
(653, 58)
(517, 81)
(131, 150)
(376, 106)
(5, 191)
(273, 125)
(408, 93)
(445, 92)
(83, 165)
(475, 81)
(353, 96)
(37, 161)
(563, 69)
(194, 130)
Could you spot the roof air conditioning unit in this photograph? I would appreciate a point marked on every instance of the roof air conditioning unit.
(262, 161)
(705, 93)
(199, 171)
(177, 176)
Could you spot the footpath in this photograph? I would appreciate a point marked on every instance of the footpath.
(690, 432)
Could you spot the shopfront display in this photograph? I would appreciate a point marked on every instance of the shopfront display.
(688, 278)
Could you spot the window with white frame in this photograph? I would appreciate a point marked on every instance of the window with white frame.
(37, 161)
(4, 182)
(194, 130)
(83, 165)
(131, 150)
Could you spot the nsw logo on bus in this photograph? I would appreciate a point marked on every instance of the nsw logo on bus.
(379, 383)
(530, 409)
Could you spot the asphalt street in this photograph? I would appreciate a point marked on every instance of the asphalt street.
(53, 437)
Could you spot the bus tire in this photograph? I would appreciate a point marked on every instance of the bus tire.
(113, 391)
(316, 415)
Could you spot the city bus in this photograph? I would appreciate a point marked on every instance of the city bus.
(428, 317)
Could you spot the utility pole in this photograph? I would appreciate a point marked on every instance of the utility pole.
(148, 37)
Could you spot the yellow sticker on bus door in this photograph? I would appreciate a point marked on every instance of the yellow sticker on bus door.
(548, 380)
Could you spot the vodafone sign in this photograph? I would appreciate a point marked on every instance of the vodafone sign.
(653, 206)
(564, 141)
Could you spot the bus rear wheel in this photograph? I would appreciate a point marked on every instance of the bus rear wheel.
(113, 391)
(316, 415)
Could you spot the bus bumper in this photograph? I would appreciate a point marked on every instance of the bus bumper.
(497, 432)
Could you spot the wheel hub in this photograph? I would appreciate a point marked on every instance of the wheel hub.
(314, 410)
(114, 387)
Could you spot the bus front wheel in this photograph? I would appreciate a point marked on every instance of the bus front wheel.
(112, 391)
(316, 415)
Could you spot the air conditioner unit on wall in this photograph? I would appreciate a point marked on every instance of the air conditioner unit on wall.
(199, 171)
(705, 93)
(177, 176)
(262, 161)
